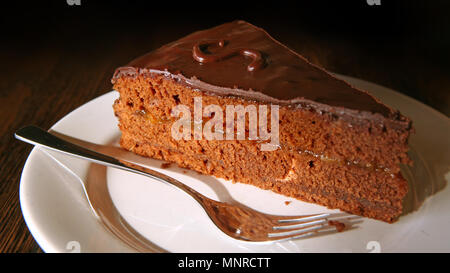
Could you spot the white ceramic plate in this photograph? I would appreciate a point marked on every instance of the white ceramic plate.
(60, 219)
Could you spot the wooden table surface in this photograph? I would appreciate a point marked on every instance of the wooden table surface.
(54, 59)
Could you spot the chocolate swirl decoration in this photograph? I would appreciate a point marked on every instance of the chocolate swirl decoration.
(199, 55)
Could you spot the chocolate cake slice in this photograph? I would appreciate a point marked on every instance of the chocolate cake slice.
(336, 146)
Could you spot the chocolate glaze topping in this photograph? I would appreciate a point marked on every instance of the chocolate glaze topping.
(239, 59)
(199, 55)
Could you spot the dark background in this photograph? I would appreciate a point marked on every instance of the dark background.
(400, 44)
(55, 57)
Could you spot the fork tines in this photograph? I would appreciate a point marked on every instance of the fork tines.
(295, 227)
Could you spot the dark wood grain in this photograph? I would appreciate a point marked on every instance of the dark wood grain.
(53, 62)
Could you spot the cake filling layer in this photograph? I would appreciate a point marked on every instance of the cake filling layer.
(368, 144)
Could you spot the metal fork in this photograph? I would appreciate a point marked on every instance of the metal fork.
(234, 219)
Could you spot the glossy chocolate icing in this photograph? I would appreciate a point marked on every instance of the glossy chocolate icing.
(239, 59)
(202, 57)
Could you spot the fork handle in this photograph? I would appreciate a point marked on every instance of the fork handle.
(41, 138)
